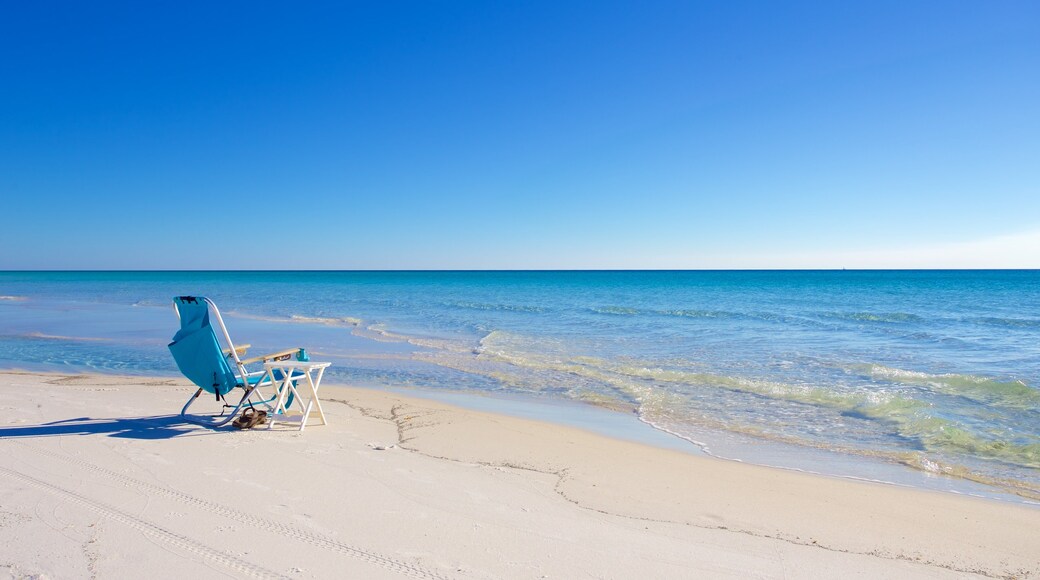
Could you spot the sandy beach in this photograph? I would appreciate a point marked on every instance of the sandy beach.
(101, 479)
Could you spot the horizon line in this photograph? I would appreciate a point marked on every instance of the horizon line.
(504, 270)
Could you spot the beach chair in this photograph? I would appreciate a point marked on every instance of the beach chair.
(218, 371)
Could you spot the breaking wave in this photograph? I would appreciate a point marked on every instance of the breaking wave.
(345, 321)
(326, 320)
(1013, 394)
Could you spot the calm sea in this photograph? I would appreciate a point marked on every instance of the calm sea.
(938, 371)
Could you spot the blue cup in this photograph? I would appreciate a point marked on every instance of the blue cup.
(301, 355)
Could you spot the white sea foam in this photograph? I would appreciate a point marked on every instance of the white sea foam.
(46, 336)
(345, 321)
(380, 333)
(326, 320)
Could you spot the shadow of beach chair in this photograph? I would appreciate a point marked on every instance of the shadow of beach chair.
(199, 356)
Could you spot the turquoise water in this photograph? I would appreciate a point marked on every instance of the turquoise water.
(935, 370)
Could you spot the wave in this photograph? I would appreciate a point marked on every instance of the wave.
(379, 332)
(150, 303)
(878, 317)
(888, 317)
(615, 310)
(44, 336)
(911, 418)
(681, 313)
(709, 314)
(1009, 322)
(498, 307)
(883, 405)
(579, 375)
(1013, 394)
(325, 320)
(14, 298)
(344, 321)
(636, 381)
(698, 313)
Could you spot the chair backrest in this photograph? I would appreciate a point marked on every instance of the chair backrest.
(196, 350)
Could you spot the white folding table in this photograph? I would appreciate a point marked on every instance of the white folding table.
(294, 374)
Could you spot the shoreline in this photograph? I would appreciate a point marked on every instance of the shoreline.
(617, 424)
(454, 492)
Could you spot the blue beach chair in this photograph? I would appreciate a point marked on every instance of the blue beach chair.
(200, 358)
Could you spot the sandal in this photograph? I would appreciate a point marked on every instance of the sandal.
(250, 418)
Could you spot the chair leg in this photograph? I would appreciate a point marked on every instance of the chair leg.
(267, 381)
(184, 410)
(211, 421)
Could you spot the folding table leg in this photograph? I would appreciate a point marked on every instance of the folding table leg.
(283, 393)
(314, 393)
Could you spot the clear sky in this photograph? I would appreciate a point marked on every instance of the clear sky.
(472, 135)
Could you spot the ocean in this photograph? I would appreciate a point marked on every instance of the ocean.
(853, 373)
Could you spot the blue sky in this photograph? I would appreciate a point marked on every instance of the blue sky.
(520, 135)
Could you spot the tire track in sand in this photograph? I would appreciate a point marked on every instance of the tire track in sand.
(148, 528)
(288, 531)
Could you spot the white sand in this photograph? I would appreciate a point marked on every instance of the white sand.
(134, 493)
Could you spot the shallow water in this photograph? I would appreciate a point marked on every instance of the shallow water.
(934, 370)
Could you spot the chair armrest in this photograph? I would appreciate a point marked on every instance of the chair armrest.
(240, 349)
(280, 355)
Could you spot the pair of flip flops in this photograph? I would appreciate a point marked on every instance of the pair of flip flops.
(250, 418)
